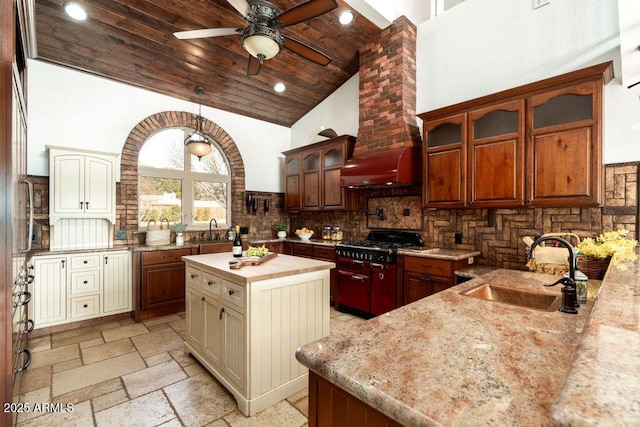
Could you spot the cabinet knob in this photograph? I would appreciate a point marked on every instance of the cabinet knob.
(202, 299)
(210, 283)
(231, 292)
(193, 276)
(85, 282)
(85, 305)
(85, 262)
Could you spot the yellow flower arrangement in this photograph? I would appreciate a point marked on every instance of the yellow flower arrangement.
(609, 244)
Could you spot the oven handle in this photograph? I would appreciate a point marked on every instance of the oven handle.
(357, 262)
(376, 265)
(359, 278)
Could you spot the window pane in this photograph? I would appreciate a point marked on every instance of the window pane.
(213, 163)
(164, 150)
(209, 201)
(159, 198)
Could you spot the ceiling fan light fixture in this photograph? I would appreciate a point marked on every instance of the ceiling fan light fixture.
(261, 41)
(75, 11)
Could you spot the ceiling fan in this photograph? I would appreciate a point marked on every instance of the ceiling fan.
(261, 37)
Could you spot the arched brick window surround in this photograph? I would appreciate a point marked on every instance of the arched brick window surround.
(152, 124)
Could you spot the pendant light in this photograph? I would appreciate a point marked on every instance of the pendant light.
(198, 143)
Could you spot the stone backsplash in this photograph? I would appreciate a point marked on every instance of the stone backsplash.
(497, 233)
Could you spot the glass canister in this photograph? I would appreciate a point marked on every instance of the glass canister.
(326, 233)
(336, 234)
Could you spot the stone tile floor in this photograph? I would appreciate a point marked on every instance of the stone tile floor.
(136, 374)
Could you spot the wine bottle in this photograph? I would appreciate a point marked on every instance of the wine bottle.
(237, 243)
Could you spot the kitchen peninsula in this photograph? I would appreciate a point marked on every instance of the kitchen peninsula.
(245, 324)
(451, 359)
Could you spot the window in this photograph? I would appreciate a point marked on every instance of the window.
(175, 185)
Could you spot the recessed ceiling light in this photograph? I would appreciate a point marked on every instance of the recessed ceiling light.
(279, 87)
(346, 17)
(75, 11)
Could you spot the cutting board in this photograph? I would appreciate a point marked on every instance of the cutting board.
(251, 260)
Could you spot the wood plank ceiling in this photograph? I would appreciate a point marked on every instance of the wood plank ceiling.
(131, 41)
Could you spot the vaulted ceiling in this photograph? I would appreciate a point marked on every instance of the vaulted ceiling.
(132, 42)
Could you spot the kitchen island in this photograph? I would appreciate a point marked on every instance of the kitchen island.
(245, 324)
(451, 359)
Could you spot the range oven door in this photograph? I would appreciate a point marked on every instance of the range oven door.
(383, 288)
(354, 290)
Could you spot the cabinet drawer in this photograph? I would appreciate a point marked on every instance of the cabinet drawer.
(85, 261)
(163, 257)
(436, 267)
(233, 293)
(85, 306)
(194, 277)
(327, 254)
(303, 249)
(85, 281)
(211, 284)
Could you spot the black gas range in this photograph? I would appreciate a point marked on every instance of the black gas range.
(380, 246)
(367, 273)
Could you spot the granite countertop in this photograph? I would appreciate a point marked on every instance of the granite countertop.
(280, 266)
(450, 359)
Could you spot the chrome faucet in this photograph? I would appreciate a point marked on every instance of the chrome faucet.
(211, 231)
(569, 300)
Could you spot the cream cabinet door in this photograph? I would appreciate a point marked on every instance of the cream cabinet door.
(234, 346)
(195, 316)
(50, 290)
(212, 344)
(98, 186)
(117, 289)
(68, 179)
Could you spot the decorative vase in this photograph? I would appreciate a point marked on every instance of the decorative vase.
(282, 234)
(179, 239)
(594, 268)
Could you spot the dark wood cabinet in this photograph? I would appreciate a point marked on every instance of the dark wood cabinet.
(426, 276)
(312, 175)
(331, 406)
(537, 145)
(565, 150)
(162, 285)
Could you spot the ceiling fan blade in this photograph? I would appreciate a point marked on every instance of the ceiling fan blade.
(304, 11)
(241, 6)
(207, 32)
(253, 66)
(306, 52)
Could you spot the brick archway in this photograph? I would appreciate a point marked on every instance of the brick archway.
(128, 190)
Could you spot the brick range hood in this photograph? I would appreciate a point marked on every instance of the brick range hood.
(388, 147)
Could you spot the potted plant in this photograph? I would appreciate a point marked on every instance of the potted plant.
(179, 229)
(610, 247)
(281, 230)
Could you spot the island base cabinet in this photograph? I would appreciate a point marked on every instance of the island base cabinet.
(330, 406)
(247, 335)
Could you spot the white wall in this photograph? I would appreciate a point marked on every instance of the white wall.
(338, 111)
(74, 109)
(484, 46)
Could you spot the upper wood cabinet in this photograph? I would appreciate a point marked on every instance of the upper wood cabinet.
(565, 150)
(312, 175)
(82, 184)
(534, 145)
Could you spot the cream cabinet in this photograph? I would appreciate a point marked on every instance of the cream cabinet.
(82, 184)
(245, 328)
(72, 287)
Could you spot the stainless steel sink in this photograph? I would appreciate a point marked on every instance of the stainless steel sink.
(518, 297)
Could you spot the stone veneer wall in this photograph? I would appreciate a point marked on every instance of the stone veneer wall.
(387, 116)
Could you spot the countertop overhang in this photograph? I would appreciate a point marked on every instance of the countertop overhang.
(449, 359)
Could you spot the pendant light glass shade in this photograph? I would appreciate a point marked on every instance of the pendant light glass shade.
(198, 143)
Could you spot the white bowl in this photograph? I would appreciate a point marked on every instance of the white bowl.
(305, 236)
